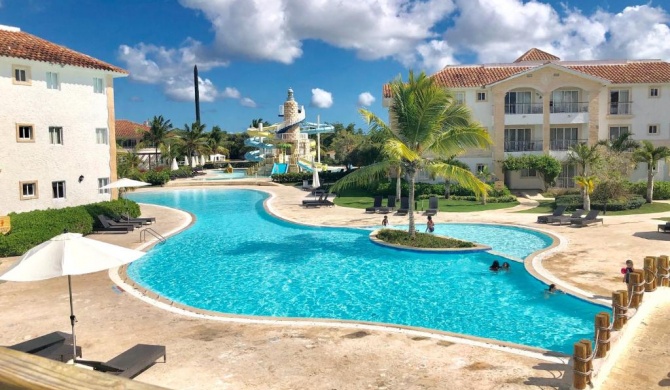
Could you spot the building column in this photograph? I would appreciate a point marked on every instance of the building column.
(594, 117)
(498, 133)
(546, 121)
(111, 133)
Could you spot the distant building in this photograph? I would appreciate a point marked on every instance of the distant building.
(539, 104)
(56, 123)
(129, 136)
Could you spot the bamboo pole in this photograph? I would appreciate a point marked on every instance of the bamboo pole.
(649, 273)
(603, 332)
(619, 302)
(636, 288)
(663, 264)
(580, 371)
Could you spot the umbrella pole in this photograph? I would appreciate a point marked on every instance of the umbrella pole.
(73, 319)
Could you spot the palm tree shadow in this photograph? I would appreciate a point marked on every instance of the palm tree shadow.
(559, 378)
(665, 382)
(658, 236)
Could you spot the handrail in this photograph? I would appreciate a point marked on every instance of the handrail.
(143, 235)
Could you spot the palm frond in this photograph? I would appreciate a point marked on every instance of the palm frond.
(363, 176)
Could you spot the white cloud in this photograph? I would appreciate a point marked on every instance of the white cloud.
(321, 98)
(231, 93)
(182, 89)
(365, 99)
(246, 102)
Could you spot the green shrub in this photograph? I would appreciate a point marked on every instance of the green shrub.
(422, 240)
(495, 199)
(181, 173)
(113, 209)
(574, 202)
(157, 178)
(571, 202)
(661, 189)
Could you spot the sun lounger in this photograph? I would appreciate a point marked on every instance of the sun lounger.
(376, 205)
(305, 185)
(404, 206)
(561, 219)
(433, 206)
(132, 362)
(112, 222)
(558, 211)
(313, 201)
(142, 220)
(321, 202)
(54, 346)
(664, 227)
(591, 217)
(108, 227)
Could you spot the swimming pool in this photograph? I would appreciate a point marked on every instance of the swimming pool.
(221, 174)
(238, 259)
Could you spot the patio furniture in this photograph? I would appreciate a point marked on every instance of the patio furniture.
(305, 185)
(376, 205)
(312, 201)
(132, 362)
(55, 346)
(664, 227)
(321, 202)
(433, 206)
(141, 220)
(561, 219)
(108, 226)
(591, 217)
(404, 206)
(558, 211)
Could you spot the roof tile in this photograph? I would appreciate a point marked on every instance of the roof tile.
(536, 55)
(126, 129)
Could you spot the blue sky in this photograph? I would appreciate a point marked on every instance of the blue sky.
(336, 55)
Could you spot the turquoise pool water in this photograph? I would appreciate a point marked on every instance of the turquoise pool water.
(237, 258)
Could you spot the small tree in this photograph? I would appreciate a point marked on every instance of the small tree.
(651, 155)
(587, 184)
(546, 166)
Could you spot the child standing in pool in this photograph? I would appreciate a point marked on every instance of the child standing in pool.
(385, 221)
(430, 225)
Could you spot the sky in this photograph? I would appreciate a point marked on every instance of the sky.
(334, 54)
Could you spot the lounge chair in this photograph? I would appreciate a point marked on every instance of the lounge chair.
(142, 220)
(104, 220)
(664, 227)
(312, 201)
(376, 205)
(132, 362)
(107, 227)
(591, 217)
(433, 206)
(305, 185)
(54, 346)
(561, 219)
(321, 202)
(390, 205)
(558, 211)
(404, 206)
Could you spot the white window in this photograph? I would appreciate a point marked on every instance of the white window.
(620, 103)
(481, 96)
(480, 168)
(654, 92)
(58, 188)
(518, 103)
(28, 190)
(528, 173)
(652, 129)
(98, 85)
(56, 135)
(24, 133)
(21, 75)
(52, 80)
(101, 136)
(459, 97)
(103, 181)
(616, 131)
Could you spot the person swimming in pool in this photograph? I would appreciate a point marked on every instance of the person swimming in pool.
(495, 266)
(505, 266)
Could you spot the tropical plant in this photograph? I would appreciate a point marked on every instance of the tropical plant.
(623, 143)
(258, 122)
(587, 185)
(651, 155)
(159, 130)
(428, 124)
(192, 139)
(547, 166)
(583, 156)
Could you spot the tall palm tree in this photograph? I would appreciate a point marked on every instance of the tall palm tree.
(583, 156)
(428, 124)
(193, 139)
(159, 129)
(651, 155)
(623, 143)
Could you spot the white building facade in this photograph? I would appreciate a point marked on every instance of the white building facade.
(541, 105)
(56, 125)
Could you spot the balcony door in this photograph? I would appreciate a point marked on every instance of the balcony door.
(517, 103)
(620, 102)
(562, 138)
(517, 140)
(564, 101)
(566, 179)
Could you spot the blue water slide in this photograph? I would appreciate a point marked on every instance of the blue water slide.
(304, 166)
(256, 155)
(279, 168)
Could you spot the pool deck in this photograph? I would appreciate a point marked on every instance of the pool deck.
(210, 353)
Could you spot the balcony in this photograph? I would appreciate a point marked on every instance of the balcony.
(566, 108)
(624, 108)
(565, 144)
(523, 146)
(523, 114)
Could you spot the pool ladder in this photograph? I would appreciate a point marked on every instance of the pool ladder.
(143, 235)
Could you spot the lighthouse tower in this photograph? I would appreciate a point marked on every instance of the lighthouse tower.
(293, 115)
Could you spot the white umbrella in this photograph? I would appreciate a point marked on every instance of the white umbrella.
(125, 183)
(202, 160)
(315, 178)
(174, 166)
(68, 254)
(193, 163)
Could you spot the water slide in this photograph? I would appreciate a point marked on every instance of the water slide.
(279, 168)
(257, 142)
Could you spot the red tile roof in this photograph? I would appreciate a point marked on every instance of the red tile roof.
(126, 129)
(536, 55)
(19, 44)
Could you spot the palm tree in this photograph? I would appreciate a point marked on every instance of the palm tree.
(159, 128)
(623, 143)
(193, 139)
(583, 156)
(651, 155)
(428, 124)
(587, 184)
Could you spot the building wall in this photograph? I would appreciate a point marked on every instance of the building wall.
(75, 108)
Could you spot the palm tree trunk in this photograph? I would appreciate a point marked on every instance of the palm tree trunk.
(650, 185)
(412, 229)
(587, 201)
(398, 185)
(156, 154)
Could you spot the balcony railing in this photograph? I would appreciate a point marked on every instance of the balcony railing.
(621, 108)
(523, 108)
(567, 108)
(565, 144)
(523, 146)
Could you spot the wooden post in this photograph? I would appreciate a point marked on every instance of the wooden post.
(636, 288)
(649, 273)
(603, 332)
(663, 264)
(580, 366)
(619, 302)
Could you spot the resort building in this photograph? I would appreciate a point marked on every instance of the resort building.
(542, 104)
(56, 123)
(129, 136)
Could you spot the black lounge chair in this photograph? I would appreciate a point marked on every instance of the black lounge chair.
(132, 362)
(376, 205)
(591, 217)
(313, 201)
(433, 206)
(321, 202)
(109, 227)
(54, 346)
(404, 206)
(558, 211)
(664, 227)
(561, 219)
(140, 220)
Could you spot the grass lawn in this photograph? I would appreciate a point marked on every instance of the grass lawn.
(544, 208)
(359, 199)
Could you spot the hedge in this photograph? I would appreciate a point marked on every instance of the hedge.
(574, 202)
(297, 177)
(34, 227)
(661, 189)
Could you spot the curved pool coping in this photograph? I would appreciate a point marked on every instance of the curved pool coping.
(120, 277)
(477, 248)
